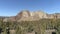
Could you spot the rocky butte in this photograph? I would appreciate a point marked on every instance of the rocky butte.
(26, 15)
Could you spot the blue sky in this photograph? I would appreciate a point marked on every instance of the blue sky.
(12, 7)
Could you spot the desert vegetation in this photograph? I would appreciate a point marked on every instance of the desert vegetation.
(28, 26)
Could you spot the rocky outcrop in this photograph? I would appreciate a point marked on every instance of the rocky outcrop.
(23, 14)
(30, 16)
(26, 15)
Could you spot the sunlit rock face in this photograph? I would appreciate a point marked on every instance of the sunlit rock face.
(26, 15)
(23, 14)
(39, 14)
(31, 16)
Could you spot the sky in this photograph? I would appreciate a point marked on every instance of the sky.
(12, 7)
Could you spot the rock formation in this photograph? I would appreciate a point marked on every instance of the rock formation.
(30, 16)
(26, 15)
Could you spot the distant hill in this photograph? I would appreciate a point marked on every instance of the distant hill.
(26, 15)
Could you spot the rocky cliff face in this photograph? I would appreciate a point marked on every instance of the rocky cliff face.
(23, 14)
(30, 16)
(26, 15)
